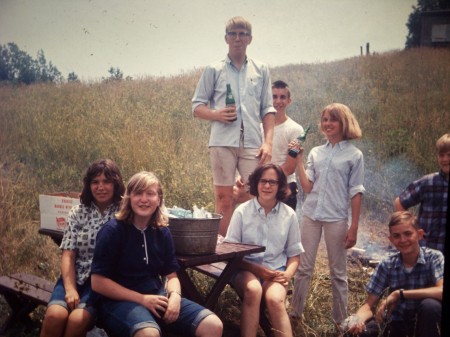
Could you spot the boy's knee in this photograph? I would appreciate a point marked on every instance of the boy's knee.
(226, 200)
(430, 307)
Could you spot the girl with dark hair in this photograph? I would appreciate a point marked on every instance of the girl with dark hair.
(71, 310)
(265, 220)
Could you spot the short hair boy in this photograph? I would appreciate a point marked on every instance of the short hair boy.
(413, 277)
(235, 142)
(431, 193)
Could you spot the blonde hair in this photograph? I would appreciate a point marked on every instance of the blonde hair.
(443, 144)
(403, 217)
(238, 22)
(140, 182)
(350, 126)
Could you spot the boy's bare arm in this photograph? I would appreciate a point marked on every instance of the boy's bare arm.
(398, 205)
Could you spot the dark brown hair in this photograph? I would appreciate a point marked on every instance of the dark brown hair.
(111, 172)
(255, 177)
(281, 85)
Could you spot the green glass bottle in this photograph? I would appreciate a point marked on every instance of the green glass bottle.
(294, 152)
(229, 99)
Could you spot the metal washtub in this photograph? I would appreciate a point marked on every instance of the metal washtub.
(195, 236)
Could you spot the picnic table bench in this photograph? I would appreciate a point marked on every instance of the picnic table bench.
(23, 293)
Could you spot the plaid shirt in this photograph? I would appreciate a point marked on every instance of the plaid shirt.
(391, 275)
(431, 192)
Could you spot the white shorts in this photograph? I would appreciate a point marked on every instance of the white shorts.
(225, 161)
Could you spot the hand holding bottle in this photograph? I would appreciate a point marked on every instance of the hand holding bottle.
(231, 103)
(294, 147)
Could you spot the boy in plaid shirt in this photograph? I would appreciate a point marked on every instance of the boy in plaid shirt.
(431, 192)
(413, 280)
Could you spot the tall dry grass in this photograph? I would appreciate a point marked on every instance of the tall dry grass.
(49, 134)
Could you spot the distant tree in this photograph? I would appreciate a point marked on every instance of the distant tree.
(17, 66)
(47, 72)
(72, 77)
(115, 74)
(414, 24)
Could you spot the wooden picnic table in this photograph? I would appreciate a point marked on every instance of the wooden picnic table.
(220, 266)
(229, 253)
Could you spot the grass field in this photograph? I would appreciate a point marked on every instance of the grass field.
(49, 134)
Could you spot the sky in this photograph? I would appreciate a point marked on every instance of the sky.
(169, 37)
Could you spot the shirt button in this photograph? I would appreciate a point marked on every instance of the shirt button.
(145, 259)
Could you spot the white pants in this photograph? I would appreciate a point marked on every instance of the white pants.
(334, 233)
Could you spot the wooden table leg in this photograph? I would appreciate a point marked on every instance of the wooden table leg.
(188, 288)
(222, 281)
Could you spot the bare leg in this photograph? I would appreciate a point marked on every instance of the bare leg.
(147, 332)
(275, 297)
(210, 326)
(79, 323)
(225, 206)
(54, 321)
(250, 289)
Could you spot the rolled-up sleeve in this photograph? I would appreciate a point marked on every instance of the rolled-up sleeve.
(356, 182)
(294, 246)
(204, 91)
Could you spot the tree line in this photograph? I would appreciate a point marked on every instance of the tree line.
(16, 66)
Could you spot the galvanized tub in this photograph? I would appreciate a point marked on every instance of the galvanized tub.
(195, 236)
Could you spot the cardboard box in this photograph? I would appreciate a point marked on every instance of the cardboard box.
(55, 207)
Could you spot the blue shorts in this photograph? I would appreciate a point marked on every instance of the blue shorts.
(125, 318)
(88, 298)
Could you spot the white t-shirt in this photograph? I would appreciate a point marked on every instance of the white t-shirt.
(282, 135)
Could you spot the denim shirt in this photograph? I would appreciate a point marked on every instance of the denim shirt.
(252, 90)
(338, 175)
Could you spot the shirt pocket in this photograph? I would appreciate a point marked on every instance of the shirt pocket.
(255, 86)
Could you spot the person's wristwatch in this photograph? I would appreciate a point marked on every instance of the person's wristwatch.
(402, 296)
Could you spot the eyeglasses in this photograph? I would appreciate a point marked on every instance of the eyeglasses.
(241, 35)
(270, 182)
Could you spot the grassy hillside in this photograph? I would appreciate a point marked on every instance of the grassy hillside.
(49, 134)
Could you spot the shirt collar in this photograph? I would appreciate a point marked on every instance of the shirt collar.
(420, 259)
(228, 60)
(341, 145)
(260, 209)
(107, 209)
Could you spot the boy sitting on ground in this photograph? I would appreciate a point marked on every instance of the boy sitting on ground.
(413, 277)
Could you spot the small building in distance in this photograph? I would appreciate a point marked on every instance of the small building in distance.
(435, 29)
